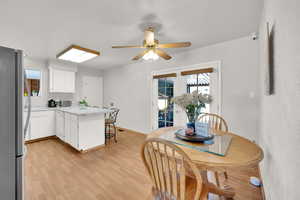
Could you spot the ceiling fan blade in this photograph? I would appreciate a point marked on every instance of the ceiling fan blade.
(141, 54)
(174, 45)
(132, 46)
(149, 36)
(162, 54)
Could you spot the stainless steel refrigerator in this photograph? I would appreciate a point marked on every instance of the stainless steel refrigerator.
(11, 124)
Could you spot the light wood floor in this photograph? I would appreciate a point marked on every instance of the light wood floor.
(54, 171)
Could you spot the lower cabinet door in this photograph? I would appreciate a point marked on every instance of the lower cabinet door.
(42, 124)
(60, 127)
(68, 128)
(74, 132)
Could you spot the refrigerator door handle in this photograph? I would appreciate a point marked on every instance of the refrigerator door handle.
(28, 106)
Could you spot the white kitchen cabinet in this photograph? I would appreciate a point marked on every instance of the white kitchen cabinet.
(67, 130)
(60, 125)
(71, 130)
(42, 124)
(90, 131)
(69, 82)
(81, 129)
(84, 132)
(61, 81)
(74, 131)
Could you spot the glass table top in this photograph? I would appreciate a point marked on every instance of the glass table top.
(219, 145)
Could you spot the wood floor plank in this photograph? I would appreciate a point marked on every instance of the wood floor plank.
(54, 171)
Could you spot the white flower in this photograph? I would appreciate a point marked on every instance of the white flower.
(194, 98)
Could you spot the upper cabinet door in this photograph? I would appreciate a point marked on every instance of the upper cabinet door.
(61, 81)
(57, 80)
(69, 82)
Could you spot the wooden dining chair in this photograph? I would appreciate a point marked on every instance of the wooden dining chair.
(171, 170)
(215, 122)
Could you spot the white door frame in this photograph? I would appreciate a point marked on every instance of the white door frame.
(214, 64)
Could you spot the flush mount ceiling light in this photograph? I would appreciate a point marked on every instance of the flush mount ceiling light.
(77, 54)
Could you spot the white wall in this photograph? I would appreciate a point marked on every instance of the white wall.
(280, 113)
(42, 65)
(129, 86)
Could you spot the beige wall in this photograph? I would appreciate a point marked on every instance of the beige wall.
(129, 86)
(280, 113)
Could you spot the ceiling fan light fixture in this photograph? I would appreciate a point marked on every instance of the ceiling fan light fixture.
(77, 54)
(152, 48)
(151, 55)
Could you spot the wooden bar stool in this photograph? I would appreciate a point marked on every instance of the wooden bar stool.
(110, 125)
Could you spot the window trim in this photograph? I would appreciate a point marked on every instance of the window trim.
(165, 75)
(197, 71)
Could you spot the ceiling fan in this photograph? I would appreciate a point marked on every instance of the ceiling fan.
(153, 47)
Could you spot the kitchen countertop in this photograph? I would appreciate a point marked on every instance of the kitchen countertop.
(84, 110)
(76, 110)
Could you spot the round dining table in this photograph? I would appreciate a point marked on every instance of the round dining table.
(241, 154)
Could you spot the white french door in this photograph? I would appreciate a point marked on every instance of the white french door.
(164, 112)
(163, 108)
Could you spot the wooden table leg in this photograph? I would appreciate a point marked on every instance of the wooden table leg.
(212, 188)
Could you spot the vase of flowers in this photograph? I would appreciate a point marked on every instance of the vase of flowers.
(192, 104)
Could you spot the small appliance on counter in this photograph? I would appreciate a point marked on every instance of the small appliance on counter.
(66, 103)
(52, 103)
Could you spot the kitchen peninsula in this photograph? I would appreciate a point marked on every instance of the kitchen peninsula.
(80, 127)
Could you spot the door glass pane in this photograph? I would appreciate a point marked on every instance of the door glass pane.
(165, 107)
(169, 124)
(161, 124)
(200, 83)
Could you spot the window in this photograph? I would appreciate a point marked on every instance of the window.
(33, 81)
(165, 106)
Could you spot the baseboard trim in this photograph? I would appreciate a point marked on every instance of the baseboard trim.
(93, 149)
(41, 139)
(55, 137)
(262, 190)
(130, 130)
(82, 151)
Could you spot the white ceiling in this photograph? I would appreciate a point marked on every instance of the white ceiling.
(42, 28)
